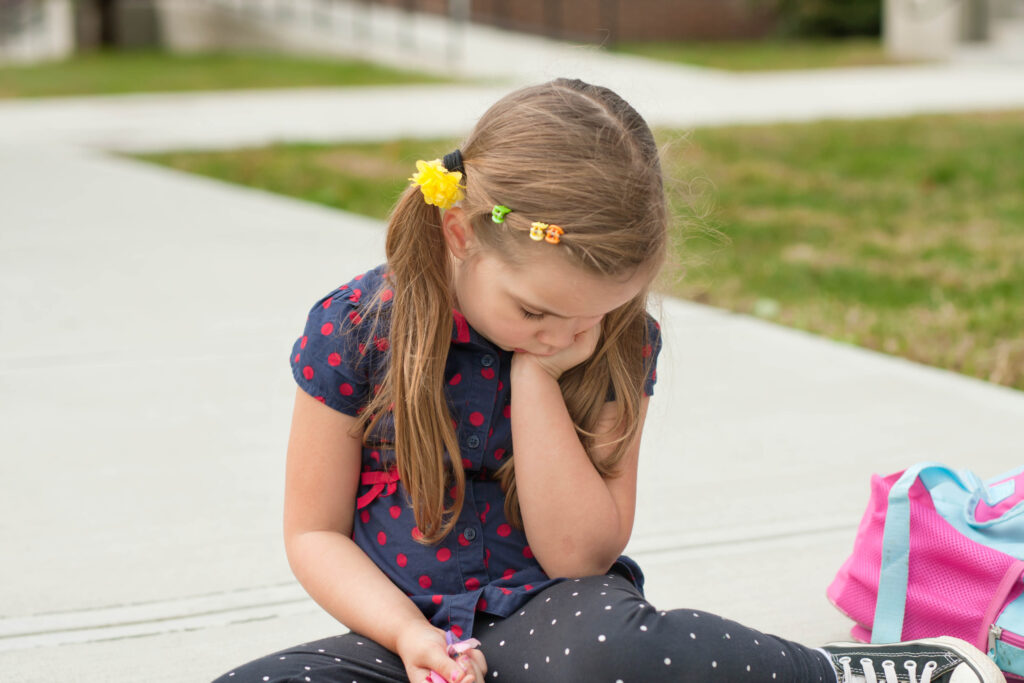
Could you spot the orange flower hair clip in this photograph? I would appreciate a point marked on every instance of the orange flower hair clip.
(549, 233)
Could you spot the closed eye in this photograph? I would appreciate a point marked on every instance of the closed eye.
(529, 315)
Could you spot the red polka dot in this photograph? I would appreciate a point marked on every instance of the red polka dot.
(364, 516)
(327, 328)
(654, 375)
(355, 317)
(483, 515)
(354, 296)
(456, 378)
(401, 560)
(506, 591)
(416, 533)
(488, 373)
(307, 372)
(648, 350)
(443, 555)
(508, 574)
(501, 385)
(321, 399)
(386, 295)
(302, 343)
(382, 344)
(499, 453)
(476, 419)
(359, 277)
(507, 412)
(334, 359)
(482, 605)
(657, 325)
(395, 510)
(487, 558)
(346, 389)
(362, 349)
(327, 302)
(297, 357)
(382, 537)
(466, 464)
(456, 630)
(527, 553)
(375, 455)
(463, 541)
(425, 581)
(528, 587)
(452, 491)
(376, 388)
(504, 530)
(435, 599)
(472, 584)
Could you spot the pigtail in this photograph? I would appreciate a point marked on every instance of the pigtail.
(420, 334)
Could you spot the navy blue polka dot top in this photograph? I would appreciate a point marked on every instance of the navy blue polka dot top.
(485, 564)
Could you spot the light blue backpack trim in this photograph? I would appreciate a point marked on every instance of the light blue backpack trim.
(1007, 657)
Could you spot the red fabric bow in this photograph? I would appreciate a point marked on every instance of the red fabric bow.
(386, 482)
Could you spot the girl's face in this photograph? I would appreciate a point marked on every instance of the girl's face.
(540, 306)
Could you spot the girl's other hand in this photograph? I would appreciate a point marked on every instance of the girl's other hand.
(582, 348)
(423, 649)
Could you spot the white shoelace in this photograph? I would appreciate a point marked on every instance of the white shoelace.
(888, 670)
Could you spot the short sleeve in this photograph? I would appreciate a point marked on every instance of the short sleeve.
(329, 360)
(650, 350)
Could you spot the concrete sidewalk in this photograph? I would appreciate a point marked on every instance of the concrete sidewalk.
(146, 318)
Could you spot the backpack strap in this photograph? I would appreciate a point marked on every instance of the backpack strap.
(891, 602)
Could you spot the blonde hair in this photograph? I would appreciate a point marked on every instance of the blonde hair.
(564, 152)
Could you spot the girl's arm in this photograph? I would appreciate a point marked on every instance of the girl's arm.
(321, 481)
(576, 521)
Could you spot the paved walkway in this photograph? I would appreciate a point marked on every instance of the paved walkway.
(145, 322)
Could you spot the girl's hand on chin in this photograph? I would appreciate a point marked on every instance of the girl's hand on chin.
(582, 348)
(423, 649)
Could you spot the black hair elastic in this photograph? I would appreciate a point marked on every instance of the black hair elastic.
(453, 162)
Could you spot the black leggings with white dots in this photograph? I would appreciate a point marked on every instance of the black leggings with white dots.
(593, 630)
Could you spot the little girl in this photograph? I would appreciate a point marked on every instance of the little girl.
(462, 465)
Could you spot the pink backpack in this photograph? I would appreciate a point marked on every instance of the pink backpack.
(939, 552)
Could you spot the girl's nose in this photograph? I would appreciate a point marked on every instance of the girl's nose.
(558, 335)
(563, 333)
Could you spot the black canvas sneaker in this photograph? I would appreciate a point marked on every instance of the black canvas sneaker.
(934, 660)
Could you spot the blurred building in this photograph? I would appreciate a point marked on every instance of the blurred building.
(35, 30)
(938, 29)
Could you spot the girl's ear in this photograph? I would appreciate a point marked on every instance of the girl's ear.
(458, 233)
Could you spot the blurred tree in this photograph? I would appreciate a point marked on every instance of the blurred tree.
(830, 18)
(107, 12)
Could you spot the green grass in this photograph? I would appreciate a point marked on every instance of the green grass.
(765, 55)
(108, 73)
(905, 236)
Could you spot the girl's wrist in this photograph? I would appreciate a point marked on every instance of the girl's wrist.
(528, 367)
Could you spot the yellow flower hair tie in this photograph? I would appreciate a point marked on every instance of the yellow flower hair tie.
(439, 186)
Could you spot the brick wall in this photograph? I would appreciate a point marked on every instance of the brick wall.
(614, 20)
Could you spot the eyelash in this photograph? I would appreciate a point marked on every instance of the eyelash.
(531, 316)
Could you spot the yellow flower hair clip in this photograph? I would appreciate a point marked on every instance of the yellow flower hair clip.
(439, 186)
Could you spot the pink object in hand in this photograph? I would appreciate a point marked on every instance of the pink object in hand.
(456, 647)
